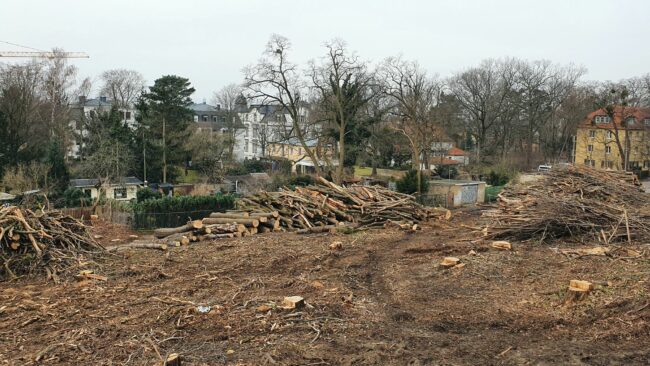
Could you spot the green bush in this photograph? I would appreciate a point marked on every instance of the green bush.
(75, 197)
(301, 180)
(447, 171)
(144, 194)
(249, 166)
(497, 178)
(408, 183)
(185, 204)
(492, 192)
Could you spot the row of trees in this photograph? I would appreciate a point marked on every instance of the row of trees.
(387, 113)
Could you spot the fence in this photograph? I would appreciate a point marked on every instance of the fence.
(153, 220)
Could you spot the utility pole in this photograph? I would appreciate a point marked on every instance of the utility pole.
(164, 151)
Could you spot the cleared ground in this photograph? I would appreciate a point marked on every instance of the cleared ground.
(381, 300)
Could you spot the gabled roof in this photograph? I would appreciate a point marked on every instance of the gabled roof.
(620, 113)
(443, 161)
(454, 151)
(203, 107)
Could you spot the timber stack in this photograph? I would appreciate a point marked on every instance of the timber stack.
(41, 240)
(319, 208)
(578, 202)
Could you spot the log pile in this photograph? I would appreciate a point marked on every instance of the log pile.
(320, 208)
(41, 241)
(606, 206)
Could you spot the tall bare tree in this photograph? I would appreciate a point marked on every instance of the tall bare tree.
(227, 98)
(414, 95)
(343, 84)
(276, 80)
(122, 86)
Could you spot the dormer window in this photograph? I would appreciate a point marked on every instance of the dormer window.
(630, 121)
(602, 119)
(646, 121)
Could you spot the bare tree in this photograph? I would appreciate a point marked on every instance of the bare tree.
(541, 89)
(208, 151)
(414, 94)
(228, 99)
(122, 86)
(275, 80)
(343, 83)
(59, 78)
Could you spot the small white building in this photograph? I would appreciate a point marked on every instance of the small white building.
(125, 189)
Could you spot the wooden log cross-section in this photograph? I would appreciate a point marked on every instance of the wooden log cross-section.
(165, 232)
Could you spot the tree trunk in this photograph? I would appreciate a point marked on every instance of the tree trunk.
(339, 174)
(164, 157)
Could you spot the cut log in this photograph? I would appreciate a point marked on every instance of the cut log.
(225, 228)
(268, 215)
(449, 262)
(165, 232)
(504, 245)
(138, 246)
(219, 236)
(293, 302)
(319, 229)
(253, 230)
(578, 291)
(248, 222)
(223, 215)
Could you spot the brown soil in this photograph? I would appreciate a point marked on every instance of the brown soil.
(381, 300)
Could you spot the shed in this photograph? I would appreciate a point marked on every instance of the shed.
(456, 193)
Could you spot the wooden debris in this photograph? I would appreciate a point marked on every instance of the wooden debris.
(578, 291)
(190, 226)
(293, 302)
(504, 245)
(138, 246)
(337, 245)
(449, 262)
(174, 359)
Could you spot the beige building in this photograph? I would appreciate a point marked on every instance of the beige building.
(124, 190)
(293, 151)
(621, 142)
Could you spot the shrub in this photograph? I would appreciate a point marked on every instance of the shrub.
(185, 204)
(147, 194)
(447, 171)
(75, 197)
(497, 178)
(408, 183)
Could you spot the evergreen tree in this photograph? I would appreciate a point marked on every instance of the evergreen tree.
(58, 175)
(165, 117)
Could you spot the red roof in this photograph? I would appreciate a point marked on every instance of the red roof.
(620, 113)
(444, 161)
(454, 151)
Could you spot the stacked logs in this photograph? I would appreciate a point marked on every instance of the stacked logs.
(320, 208)
(606, 206)
(41, 241)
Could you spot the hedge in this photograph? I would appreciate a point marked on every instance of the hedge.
(185, 204)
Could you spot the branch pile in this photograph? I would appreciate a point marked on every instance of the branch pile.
(609, 206)
(42, 240)
(326, 204)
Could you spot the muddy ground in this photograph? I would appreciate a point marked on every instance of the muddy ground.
(381, 300)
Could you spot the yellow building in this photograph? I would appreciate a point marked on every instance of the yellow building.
(293, 151)
(602, 143)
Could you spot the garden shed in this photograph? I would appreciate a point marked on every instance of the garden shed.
(456, 193)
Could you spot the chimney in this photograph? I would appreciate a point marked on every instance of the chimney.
(218, 107)
(102, 99)
(82, 99)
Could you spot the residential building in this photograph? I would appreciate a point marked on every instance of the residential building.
(265, 124)
(599, 136)
(124, 189)
(293, 151)
(85, 109)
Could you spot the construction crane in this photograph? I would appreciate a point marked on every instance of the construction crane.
(39, 53)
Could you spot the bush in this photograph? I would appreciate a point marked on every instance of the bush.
(301, 180)
(447, 171)
(249, 166)
(75, 197)
(497, 178)
(408, 183)
(147, 194)
(185, 204)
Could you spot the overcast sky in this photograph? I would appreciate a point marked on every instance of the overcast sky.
(210, 41)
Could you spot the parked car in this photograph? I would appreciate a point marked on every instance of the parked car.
(544, 168)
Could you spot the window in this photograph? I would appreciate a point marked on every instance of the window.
(246, 147)
(87, 193)
(602, 119)
(278, 117)
(608, 149)
(630, 121)
(590, 148)
(215, 119)
(204, 118)
(592, 134)
(646, 121)
(128, 115)
(119, 193)
(254, 147)
(589, 162)
(196, 118)
(609, 134)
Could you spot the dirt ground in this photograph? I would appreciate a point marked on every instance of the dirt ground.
(380, 300)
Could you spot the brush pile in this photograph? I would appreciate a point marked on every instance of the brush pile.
(326, 204)
(578, 202)
(40, 241)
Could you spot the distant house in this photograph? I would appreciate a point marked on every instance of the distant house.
(293, 151)
(458, 155)
(125, 189)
